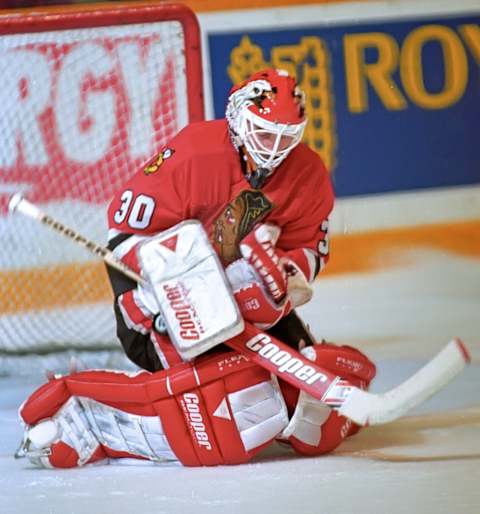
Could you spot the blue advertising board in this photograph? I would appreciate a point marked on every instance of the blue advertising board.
(393, 106)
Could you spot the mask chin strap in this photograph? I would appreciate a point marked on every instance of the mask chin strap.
(256, 175)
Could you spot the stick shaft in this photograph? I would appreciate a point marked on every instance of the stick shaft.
(19, 204)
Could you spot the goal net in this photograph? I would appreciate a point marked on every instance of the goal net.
(88, 95)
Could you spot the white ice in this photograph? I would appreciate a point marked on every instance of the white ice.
(427, 463)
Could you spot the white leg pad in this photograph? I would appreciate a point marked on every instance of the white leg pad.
(260, 413)
(141, 436)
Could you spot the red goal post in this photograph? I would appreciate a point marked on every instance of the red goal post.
(89, 94)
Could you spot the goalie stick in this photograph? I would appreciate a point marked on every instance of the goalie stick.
(18, 204)
(360, 406)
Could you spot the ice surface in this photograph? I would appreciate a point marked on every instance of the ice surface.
(428, 463)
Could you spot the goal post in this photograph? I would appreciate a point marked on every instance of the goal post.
(89, 94)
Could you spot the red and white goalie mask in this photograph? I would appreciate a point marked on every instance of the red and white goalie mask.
(266, 116)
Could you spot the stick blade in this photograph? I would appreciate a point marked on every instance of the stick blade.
(374, 409)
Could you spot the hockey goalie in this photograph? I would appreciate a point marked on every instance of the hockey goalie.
(216, 407)
(214, 244)
(227, 228)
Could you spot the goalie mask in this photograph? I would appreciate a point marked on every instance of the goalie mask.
(266, 116)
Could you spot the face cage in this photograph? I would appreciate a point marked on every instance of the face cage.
(253, 127)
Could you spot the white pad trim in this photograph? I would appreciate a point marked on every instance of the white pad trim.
(307, 420)
(121, 431)
(260, 413)
(69, 425)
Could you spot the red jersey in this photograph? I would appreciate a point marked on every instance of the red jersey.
(199, 176)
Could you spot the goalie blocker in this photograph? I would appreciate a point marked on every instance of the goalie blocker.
(221, 410)
(185, 277)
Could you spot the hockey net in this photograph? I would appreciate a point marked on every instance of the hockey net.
(88, 95)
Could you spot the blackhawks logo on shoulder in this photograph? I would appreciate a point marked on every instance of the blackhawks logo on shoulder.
(155, 165)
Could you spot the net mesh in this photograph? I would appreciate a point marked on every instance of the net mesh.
(80, 111)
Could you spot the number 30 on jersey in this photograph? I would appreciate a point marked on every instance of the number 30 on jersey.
(138, 211)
